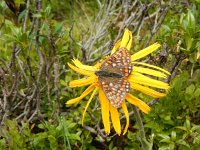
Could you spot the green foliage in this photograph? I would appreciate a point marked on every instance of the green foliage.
(61, 136)
(177, 112)
(12, 137)
(183, 30)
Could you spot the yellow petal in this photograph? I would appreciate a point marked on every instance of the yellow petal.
(144, 52)
(125, 38)
(130, 41)
(149, 72)
(115, 119)
(88, 103)
(198, 55)
(98, 64)
(80, 71)
(147, 91)
(85, 93)
(151, 66)
(116, 46)
(83, 81)
(127, 116)
(137, 102)
(105, 111)
(141, 79)
(85, 67)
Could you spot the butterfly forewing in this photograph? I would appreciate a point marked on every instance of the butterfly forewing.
(119, 62)
(113, 75)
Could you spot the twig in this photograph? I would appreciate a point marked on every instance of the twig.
(41, 59)
(26, 15)
(55, 69)
(143, 140)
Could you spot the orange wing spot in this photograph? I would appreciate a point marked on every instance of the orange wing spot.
(105, 85)
(109, 61)
(126, 74)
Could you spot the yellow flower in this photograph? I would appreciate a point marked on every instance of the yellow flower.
(137, 79)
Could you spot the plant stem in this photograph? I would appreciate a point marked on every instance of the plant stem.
(143, 140)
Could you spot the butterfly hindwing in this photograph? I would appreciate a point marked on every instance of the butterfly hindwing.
(115, 89)
(119, 62)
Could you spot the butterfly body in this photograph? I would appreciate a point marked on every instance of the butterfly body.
(113, 75)
(108, 74)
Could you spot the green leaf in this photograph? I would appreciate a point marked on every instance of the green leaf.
(111, 145)
(41, 126)
(182, 18)
(191, 20)
(173, 135)
(196, 140)
(182, 142)
(2, 143)
(165, 141)
(53, 142)
(189, 42)
(48, 10)
(165, 147)
(192, 57)
(164, 136)
(196, 127)
(39, 138)
(130, 135)
(190, 91)
(197, 93)
(74, 137)
(37, 15)
(187, 124)
(71, 125)
(58, 27)
(166, 27)
(171, 146)
(182, 128)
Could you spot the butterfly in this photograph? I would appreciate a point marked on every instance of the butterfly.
(113, 75)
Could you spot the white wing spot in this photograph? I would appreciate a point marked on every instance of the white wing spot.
(111, 84)
(114, 64)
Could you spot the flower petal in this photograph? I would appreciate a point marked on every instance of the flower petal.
(149, 72)
(151, 66)
(145, 52)
(130, 41)
(105, 111)
(137, 102)
(115, 119)
(127, 116)
(141, 79)
(98, 64)
(88, 103)
(80, 71)
(147, 91)
(116, 46)
(85, 93)
(83, 81)
(125, 38)
(82, 66)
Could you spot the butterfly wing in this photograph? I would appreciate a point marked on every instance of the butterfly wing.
(115, 89)
(113, 75)
(119, 63)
